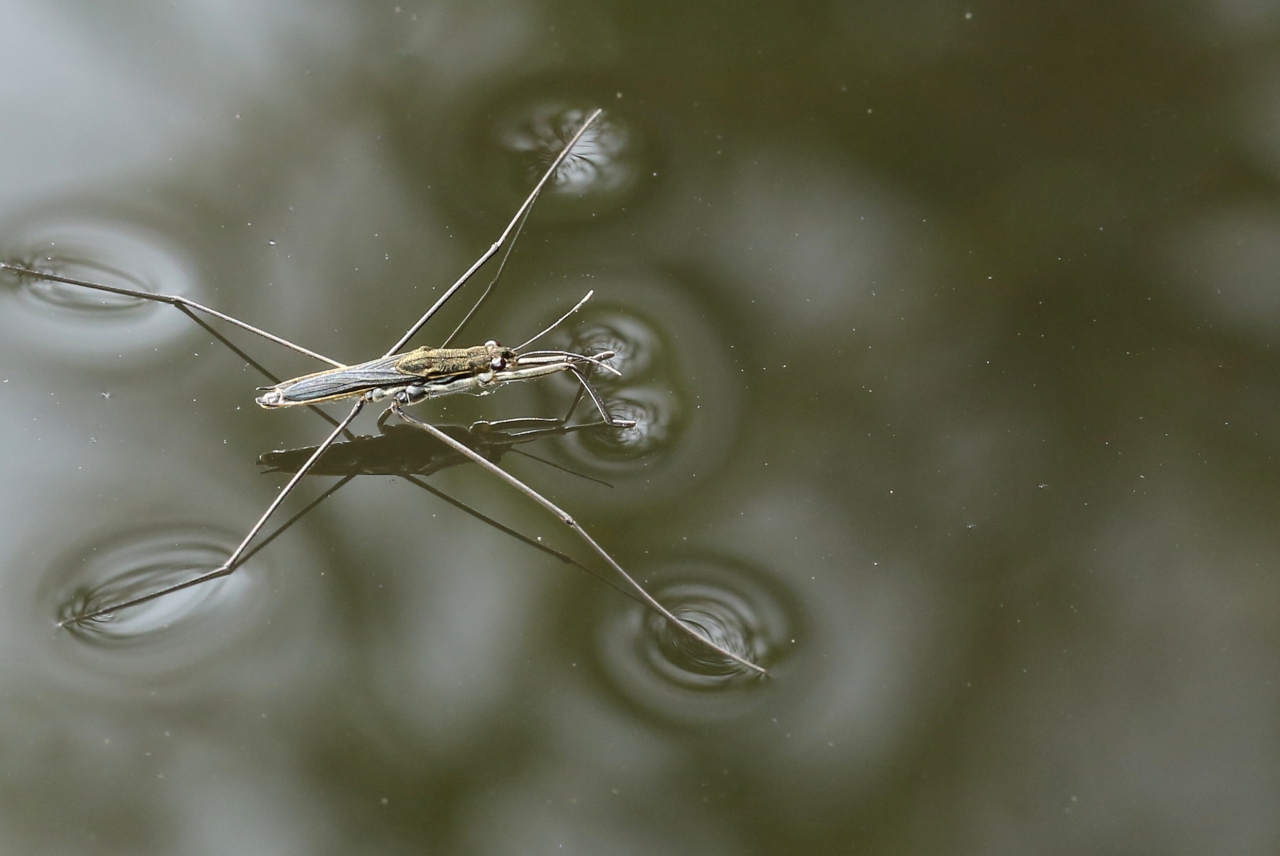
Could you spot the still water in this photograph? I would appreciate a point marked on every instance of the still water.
(949, 332)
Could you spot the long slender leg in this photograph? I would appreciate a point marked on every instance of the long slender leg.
(231, 346)
(486, 519)
(288, 524)
(178, 300)
(581, 533)
(527, 428)
(502, 265)
(234, 559)
(609, 418)
(538, 545)
(186, 307)
(456, 503)
(173, 300)
(536, 425)
(488, 254)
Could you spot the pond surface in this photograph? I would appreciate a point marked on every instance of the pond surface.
(950, 336)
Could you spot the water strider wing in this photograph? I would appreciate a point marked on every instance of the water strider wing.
(334, 384)
(423, 366)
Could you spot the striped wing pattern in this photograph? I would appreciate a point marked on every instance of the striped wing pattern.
(338, 383)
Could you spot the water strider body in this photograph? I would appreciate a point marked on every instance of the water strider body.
(426, 373)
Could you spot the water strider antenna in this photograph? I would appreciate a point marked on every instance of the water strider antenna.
(558, 323)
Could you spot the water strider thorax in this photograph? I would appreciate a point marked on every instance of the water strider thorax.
(449, 362)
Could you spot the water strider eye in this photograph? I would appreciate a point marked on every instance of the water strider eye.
(498, 363)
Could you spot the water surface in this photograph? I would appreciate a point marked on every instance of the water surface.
(949, 336)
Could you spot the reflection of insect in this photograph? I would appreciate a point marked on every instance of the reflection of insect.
(409, 453)
(406, 379)
(403, 450)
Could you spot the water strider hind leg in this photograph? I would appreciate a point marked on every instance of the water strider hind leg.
(573, 524)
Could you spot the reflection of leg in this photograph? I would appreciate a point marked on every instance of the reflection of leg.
(283, 527)
(580, 532)
(507, 530)
(526, 427)
(173, 300)
(234, 559)
(530, 427)
(599, 403)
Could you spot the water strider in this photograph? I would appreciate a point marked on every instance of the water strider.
(406, 379)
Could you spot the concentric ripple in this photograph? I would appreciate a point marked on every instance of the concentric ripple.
(135, 565)
(605, 169)
(169, 632)
(76, 322)
(722, 616)
(677, 381)
(664, 670)
(603, 162)
(658, 420)
(636, 345)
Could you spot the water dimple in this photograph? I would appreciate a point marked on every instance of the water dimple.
(603, 169)
(663, 669)
(677, 382)
(67, 296)
(635, 344)
(138, 562)
(719, 615)
(657, 419)
(75, 321)
(639, 355)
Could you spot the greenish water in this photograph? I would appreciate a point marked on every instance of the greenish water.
(950, 335)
